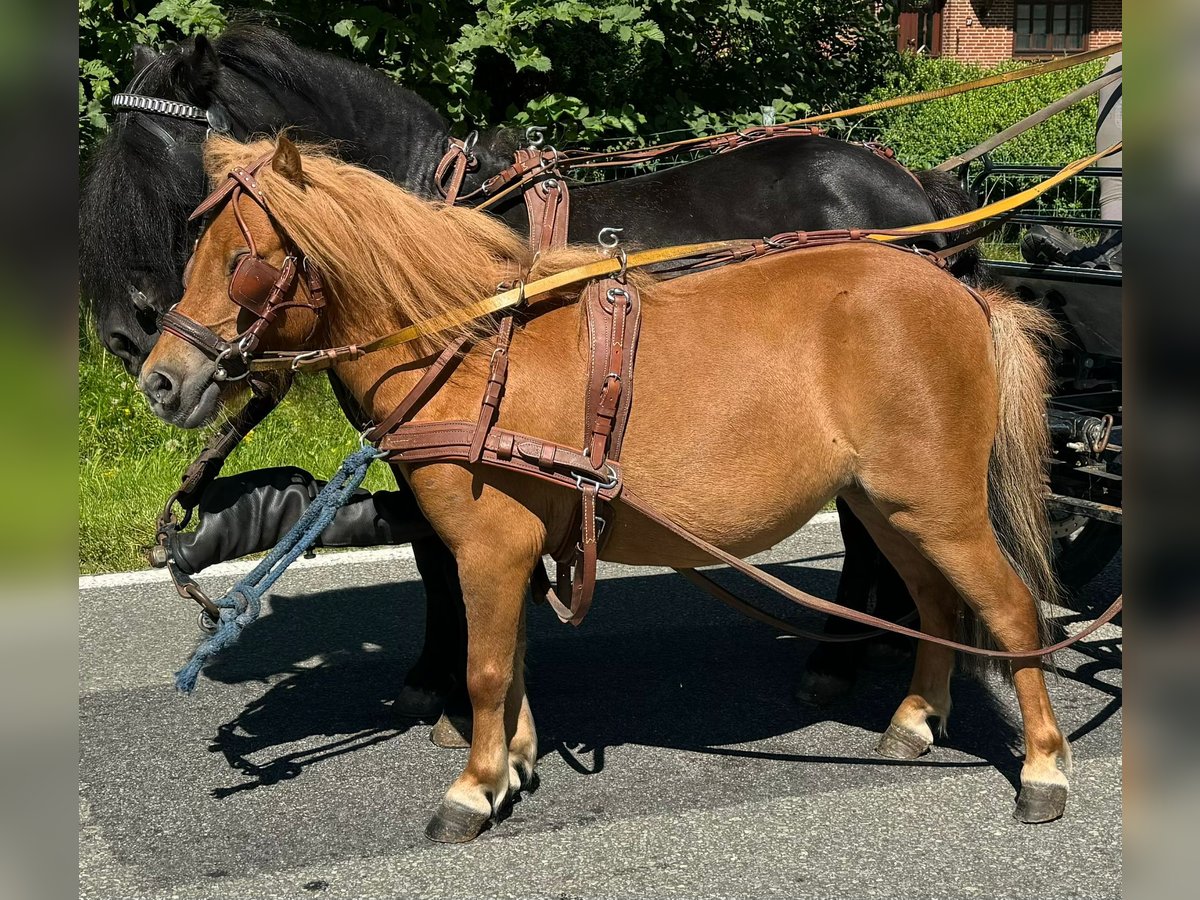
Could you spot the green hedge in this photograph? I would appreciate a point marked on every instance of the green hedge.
(927, 133)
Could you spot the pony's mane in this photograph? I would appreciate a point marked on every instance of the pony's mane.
(389, 258)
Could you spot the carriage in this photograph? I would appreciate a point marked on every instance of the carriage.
(1085, 409)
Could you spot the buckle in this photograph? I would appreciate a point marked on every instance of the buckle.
(610, 482)
(301, 358)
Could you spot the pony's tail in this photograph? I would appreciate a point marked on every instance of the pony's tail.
(949, 198)
(1017, 471)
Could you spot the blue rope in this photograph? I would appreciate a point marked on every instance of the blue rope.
(243, 603)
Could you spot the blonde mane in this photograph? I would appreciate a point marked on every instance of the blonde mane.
(387, 257)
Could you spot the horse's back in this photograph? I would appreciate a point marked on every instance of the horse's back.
(808, 183)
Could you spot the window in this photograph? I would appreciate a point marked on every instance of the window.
(1049, 27)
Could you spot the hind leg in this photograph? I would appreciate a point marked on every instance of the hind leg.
(967, 555)
(910, 732)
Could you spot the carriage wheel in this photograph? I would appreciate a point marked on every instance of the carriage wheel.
(1083, 546)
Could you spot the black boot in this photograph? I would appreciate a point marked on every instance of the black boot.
(249, 513)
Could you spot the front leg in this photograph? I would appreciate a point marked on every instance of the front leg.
(440, 668)
(504, 742)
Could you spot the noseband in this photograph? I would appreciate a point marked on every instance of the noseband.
(257, 286)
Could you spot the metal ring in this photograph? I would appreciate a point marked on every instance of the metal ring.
(470, 141)
(536, 135)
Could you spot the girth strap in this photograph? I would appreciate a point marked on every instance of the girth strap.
(613, 311)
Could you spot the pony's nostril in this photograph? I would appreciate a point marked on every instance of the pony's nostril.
(160, 388)
(120, 345)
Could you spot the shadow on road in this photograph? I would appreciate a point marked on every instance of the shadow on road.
(657, 664)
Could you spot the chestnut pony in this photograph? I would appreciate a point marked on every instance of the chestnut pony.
(764, 389)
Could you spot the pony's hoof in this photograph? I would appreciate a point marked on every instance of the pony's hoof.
(901, 743)
(454, 824)
(822, 688)
(1040, 803)
(418, 703)
(451, 732)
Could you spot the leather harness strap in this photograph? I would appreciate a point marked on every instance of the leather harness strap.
(634, 502)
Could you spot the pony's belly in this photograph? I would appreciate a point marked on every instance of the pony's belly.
(636, 541)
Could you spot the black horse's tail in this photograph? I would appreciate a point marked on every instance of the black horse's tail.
(949, 198)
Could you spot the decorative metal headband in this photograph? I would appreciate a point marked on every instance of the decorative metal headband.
(159, 106)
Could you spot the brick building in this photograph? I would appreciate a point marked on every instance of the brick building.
(985, 32)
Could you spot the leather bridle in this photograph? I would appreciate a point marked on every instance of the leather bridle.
(257, 286)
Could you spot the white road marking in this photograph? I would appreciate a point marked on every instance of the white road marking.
(323, 560)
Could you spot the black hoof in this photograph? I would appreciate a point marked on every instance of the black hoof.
(1040, 803)
(451, 732)
(823, 688)
(453, 824)
(422, 704)
(901, 743)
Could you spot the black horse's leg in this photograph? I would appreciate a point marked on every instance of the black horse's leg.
(868, 584)
(440, 670)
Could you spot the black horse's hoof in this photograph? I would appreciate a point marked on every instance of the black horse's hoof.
(451, 732)
(1040, 803)
(901, 743)
(454, 824)
(422, 704)
(823, 688)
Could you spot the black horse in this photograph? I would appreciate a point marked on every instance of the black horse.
(146, 177)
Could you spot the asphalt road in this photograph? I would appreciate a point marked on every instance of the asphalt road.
(675, 762)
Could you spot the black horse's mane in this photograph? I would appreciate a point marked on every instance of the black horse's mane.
(146, 175)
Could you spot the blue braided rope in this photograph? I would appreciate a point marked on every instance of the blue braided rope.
(243, 603)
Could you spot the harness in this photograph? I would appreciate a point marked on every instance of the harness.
(612, 311)
(257, 286)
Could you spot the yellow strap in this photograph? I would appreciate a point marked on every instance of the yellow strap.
(1000, 207)
(1053, 65)
(643, 258)
(504, 300)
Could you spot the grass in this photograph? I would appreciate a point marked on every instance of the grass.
(130, 461)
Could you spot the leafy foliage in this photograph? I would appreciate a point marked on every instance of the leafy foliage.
(591, 69)
(927, 133)
(108, 32)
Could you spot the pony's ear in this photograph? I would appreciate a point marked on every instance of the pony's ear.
(143, 56)
(201, 70)
(286, 161)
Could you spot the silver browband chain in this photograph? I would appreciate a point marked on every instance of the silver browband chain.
(172, 108)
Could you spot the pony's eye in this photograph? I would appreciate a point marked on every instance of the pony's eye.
(234, 260)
